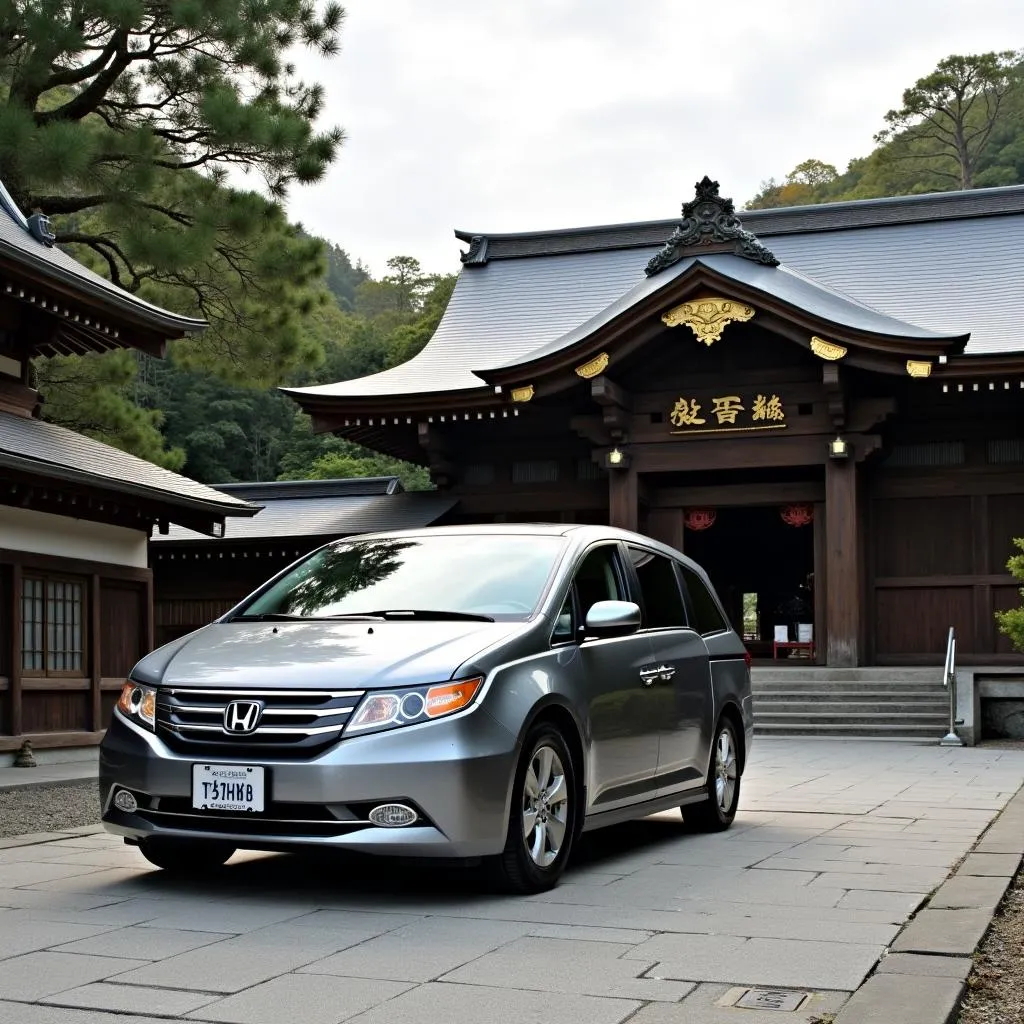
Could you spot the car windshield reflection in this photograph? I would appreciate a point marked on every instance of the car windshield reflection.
(491, 577)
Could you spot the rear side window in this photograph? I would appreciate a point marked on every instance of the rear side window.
(707, 617)
(663, 601)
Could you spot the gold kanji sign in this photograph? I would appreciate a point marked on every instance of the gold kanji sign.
(727, 414)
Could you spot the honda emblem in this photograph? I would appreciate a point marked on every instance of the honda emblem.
(242, 716)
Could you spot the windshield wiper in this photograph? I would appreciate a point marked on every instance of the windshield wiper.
(286, 617)
(426, 615)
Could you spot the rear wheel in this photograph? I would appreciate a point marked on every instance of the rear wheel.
(542, 820)
(717, 811)
(185, 856)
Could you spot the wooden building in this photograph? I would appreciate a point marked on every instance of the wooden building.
(821, 404)
(196, 577)
(76, 608)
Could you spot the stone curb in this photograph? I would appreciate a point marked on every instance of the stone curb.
(923, 977)
(40, 838)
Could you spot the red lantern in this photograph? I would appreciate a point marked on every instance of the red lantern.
(797, 515)
(699, 518)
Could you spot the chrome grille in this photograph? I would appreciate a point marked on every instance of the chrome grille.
(292, 723)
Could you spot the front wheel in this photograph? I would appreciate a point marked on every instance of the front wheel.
(542, 821)
(717, 811)
(185, 856)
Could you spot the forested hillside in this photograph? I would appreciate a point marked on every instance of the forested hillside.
(961, 126)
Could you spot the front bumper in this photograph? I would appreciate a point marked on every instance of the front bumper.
(457, 774)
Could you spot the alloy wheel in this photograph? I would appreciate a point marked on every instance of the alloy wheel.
(545, 806)
(725, 771)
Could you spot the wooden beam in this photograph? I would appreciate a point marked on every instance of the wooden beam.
(14, 683)
(843, 564)
(95, 643)
(623, 499)
(739, 494)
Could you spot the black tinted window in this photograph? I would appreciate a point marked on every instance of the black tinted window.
(597, 579)
(663, 601)
(707, 617)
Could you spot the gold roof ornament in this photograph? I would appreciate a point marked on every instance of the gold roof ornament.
(919, 368)
(523, 394)
(708, 316)
(827, 350)
(596, 366)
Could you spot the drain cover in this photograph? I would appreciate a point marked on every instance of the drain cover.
(772, 999)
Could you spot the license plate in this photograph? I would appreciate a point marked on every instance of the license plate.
(227, 787)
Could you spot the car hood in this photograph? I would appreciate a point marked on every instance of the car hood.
(303, 655)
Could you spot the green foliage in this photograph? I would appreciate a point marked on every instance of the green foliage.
(121, 120)
(962, 126)
(1011, 622)
(94, 395)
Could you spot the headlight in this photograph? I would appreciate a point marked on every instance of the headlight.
(390, 709)
(138, 704)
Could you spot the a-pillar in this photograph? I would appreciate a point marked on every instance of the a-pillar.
(842, 564)
(623, 498)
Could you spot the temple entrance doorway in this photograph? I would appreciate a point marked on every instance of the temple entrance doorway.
(761, 562)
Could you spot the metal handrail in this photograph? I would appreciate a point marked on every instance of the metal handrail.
(951, 739)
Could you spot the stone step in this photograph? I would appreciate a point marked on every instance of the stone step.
(817, 686)
(822, 673)
(923, 732)
(848, 694)
(841, 717)
(843, 709)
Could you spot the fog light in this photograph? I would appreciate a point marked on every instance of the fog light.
(393, 815)
(125, 801)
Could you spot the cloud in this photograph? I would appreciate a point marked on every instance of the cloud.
(551, 113)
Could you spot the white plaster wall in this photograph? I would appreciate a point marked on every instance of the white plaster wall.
(65, 537)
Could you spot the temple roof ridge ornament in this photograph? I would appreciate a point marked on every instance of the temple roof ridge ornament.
(709, 220)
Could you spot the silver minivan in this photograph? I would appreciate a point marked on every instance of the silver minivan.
(465, 691)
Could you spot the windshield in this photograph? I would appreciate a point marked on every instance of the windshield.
(491, 576)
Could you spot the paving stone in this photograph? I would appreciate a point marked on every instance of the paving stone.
(784, 962)
(19, 934)
(432, 1003)
(970, 892)
(926, 966)
(701, 1008)
(560, 965)
(226, 915)
(905, 998)
(36, 975)
(141, 943)
(312, 999)
(120, 999)
(421, 951)
(582, 933)
(238, 963)
(898, 905)
(1002, 865)
(949, 932)
(887, 882)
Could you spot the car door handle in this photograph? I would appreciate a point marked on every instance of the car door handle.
(662, 672)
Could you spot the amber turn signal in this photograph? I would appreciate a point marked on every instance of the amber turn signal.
(452, 697)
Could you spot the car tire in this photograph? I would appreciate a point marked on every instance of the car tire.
(717, 811)
(543, 816)
(185, 856)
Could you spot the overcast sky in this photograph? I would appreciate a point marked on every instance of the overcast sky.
(514, 115)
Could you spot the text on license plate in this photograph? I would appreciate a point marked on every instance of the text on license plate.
(227, 787)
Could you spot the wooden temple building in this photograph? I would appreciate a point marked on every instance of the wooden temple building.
(820, 404)
(76, 589)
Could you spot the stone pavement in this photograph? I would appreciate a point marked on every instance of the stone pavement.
(85, 765)
(836, 846)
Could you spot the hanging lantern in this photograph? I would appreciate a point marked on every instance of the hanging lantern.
(699, 518)
(797, 515)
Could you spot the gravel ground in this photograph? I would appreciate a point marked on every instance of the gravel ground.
(995, 992)
(44, 808)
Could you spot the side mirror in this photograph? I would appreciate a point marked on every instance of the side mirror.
(612, 618)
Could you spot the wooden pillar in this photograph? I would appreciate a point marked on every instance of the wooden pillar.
(14, 686)
(842, 564)
(95, 655)
(623, 499)
(666, 525)
(820, 587)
